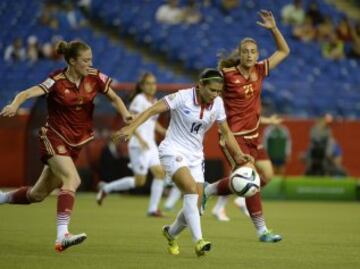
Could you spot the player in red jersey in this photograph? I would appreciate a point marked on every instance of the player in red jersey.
(70, 94)
(244, 76)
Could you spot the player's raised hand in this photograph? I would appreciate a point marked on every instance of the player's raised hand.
(268, 20)
(8, 111)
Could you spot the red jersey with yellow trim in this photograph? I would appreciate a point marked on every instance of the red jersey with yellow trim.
(70, 108)
(242, 97)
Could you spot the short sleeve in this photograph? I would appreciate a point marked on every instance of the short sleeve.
(221, 115)
(136, 105)
(104, 82)
(263, 68)
(47, 85)
(173, 100)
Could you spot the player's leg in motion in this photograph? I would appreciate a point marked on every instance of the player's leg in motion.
(121, 184)
(254, 204)
(188, 216)
(64, 169)
(218, 210)
(46, 183)
(174, 196)
(157, 188)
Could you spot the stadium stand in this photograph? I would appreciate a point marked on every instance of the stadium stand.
(305, 85)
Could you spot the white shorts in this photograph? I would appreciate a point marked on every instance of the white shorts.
(172, 162)
(142, 160)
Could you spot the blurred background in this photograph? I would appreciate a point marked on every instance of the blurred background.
(316, 90)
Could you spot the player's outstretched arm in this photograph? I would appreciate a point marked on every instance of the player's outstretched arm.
(126, 132)
(283, 50)
(11, 109)
(119, 105)
(239, 157)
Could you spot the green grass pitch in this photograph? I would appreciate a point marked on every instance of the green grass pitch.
(316, 235)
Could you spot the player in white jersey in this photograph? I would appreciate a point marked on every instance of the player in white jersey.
(193, 111)
(143, 151)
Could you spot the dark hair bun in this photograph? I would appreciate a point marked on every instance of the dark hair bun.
(62, 47)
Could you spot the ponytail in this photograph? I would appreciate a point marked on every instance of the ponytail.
(71, 49)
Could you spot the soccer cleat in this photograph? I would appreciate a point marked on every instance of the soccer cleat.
(201, 247)
(220, 215)
(4, 198)
(270, 237)
(156, 214)
(173, 247)
(101, 193)
(69, 240)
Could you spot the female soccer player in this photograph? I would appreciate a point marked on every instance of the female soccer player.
(243, 76)
(143, 151)
(70, 94)
(193, 111)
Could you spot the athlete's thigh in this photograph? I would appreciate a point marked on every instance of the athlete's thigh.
(63, 167)
(265, 167)
(47, 182)
(184, 180)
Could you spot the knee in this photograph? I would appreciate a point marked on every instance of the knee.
(36, 197)
(190, 189)
(71, 183)
(140, 181)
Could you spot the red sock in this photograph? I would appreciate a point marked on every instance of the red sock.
(223, 187)
(253, 204)
(65, 204)
(20, 196)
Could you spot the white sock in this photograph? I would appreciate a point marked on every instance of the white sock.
(4, 197)
(220, 204)
(178, 225)
(211, 189)
(122, 184)
(157, 187)
(174, 196)
(62, 229)
(259, 224)
(192, 215)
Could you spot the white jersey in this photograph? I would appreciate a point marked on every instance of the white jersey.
(147, 129)
(189, 123)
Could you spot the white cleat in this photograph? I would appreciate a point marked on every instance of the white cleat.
(69, 240)
(4, 197)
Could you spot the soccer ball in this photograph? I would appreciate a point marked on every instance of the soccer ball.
(244, 181)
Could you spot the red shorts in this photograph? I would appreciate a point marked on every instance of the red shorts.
(250, 146)
(51, 144)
